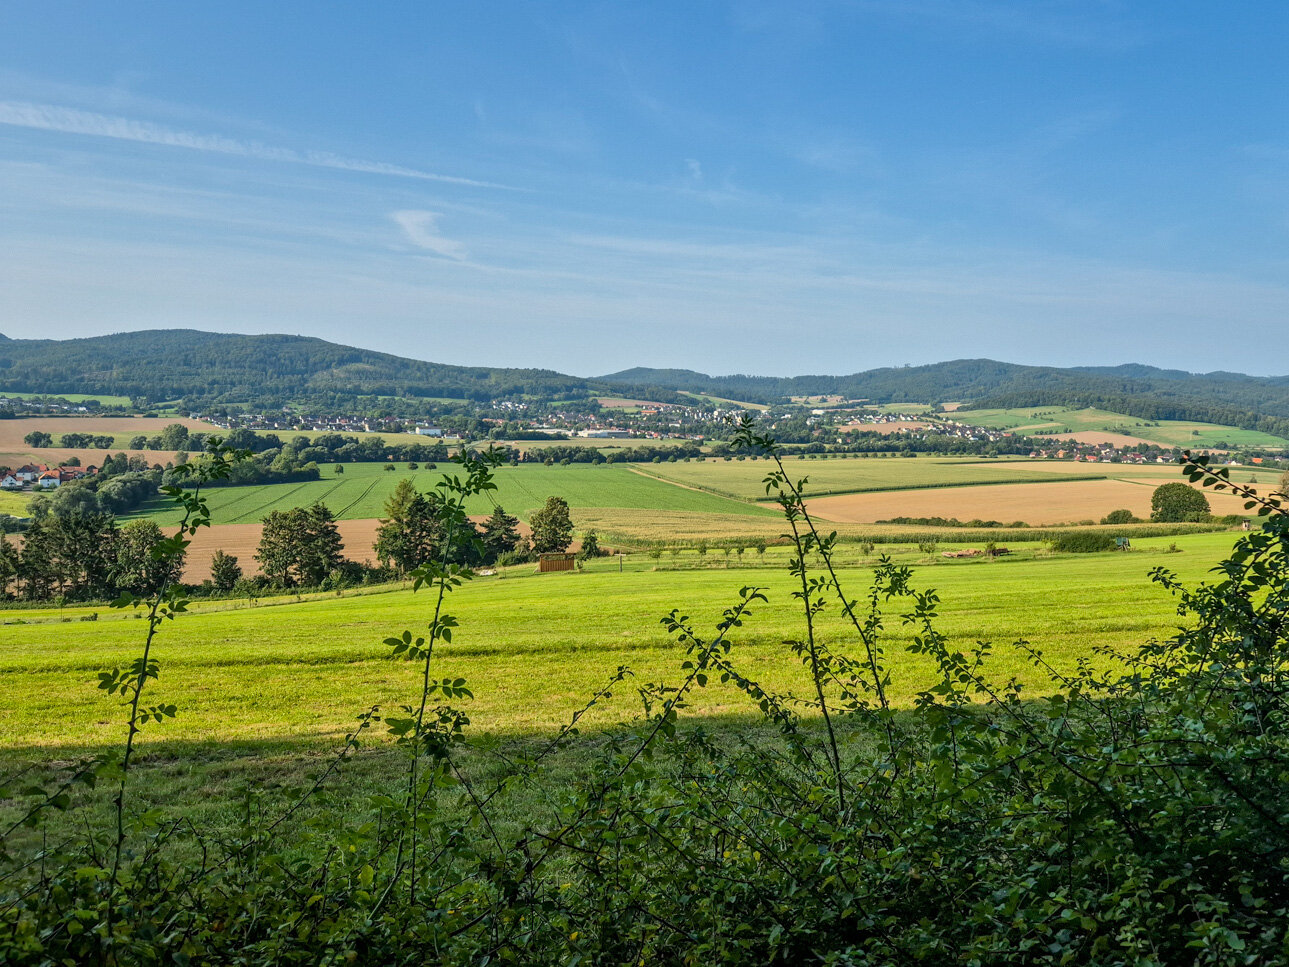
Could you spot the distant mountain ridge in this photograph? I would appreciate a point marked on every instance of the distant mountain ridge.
(268, 370)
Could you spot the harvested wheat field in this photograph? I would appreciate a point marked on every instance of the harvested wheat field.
(1103, 436)
(14, 452)
(1063, 502)
(899, 426)
(57, 456)
(1069, 468)
(12, 431)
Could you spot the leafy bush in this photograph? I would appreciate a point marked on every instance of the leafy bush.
(1122, 516)
(1178, 502)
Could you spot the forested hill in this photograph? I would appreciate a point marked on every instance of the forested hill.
(203, 368)
(215, 367)
(1143, 391)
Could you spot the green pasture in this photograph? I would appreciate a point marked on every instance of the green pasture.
(1056, 419)
(905, 409)
(721, 402)
(363, 488)
(106, 400)
(743, 478)
(533, 647)
(14, 504)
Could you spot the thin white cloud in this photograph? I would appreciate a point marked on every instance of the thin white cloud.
(422, 230)
(64, 120)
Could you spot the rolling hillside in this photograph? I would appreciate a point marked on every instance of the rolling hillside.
(204, 368)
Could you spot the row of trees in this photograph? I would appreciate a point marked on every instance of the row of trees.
(415, 530)
(302, 547)
(83, 557)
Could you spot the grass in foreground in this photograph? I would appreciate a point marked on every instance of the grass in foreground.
(533, 646)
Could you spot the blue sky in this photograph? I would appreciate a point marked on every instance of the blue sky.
(774, 188)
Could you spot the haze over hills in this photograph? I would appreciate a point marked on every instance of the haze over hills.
(204, 368)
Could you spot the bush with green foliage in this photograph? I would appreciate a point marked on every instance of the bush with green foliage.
(1172, 502)
(1121, 516)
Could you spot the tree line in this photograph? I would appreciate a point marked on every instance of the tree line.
(83, 557)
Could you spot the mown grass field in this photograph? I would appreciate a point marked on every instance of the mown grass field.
(1176, 433)
(534, 646)
(743, 478)
(362, 490)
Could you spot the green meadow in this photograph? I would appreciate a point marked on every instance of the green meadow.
(105, 399)
(287, 674)
(363, 488)
(14, 504)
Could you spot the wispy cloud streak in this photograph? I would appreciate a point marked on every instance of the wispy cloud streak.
(48, 117)
(422, 230)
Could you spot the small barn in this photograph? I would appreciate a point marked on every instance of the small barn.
(557, 562)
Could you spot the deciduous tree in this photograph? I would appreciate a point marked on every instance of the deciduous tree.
(225, 572)
(300, 546)
(552, 527)
(1174, 502)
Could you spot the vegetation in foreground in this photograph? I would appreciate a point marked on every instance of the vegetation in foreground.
(1126, 818)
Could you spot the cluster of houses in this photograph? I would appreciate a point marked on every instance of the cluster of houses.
(39, 476)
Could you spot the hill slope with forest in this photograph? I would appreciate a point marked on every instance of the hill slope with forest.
(203, 368)
(1251, 402)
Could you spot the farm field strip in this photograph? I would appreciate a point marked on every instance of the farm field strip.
(743, 479)
(1062, 502)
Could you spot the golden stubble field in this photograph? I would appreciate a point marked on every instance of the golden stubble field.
(1059, 502)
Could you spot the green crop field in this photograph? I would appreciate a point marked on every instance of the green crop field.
(742, 478)
(14, 504)
(1058, 419)
(361, 492)
(534, 646)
